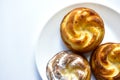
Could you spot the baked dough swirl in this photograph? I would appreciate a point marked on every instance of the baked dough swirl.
(82, 29)
(105, 62)
(67, 65)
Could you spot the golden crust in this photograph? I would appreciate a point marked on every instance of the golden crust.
(67, 65)
(105, 62)
(82, 29)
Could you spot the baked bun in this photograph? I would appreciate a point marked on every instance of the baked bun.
(68, 66)
(105, 62)
(82, 29)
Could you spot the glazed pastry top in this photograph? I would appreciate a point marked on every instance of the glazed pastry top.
(106, 61)
(68, 66)
(82, 28)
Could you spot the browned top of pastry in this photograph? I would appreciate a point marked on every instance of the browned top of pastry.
(68, 66)
(106, 62)
(82, 29)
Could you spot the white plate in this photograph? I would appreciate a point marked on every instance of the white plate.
(50, 42)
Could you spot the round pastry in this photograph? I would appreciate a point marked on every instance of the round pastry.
(67, 65)
(105, 62)
(82, 29)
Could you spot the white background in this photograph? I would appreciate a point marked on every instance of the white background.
(21, 22)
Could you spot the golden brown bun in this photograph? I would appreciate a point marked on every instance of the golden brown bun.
(67, 65)
(105, 62)
(82, 29)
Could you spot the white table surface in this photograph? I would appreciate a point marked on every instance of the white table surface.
(21, 22)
